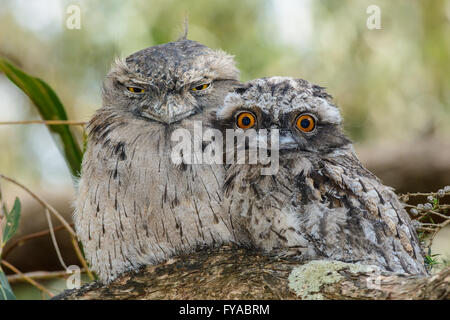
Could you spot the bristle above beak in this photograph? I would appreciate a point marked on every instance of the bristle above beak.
(287, 141)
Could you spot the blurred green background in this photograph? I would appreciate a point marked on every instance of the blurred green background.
(392, 84)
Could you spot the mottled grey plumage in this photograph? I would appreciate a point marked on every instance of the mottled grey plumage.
(322, 203)
(134, 205)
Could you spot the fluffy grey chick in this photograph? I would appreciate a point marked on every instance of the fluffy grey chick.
(322, 203)
(134, 205)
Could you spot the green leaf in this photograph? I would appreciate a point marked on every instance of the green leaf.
(12, 222)
(50, 108)
(6, 292)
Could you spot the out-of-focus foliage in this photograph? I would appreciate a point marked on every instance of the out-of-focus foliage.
(5, 289)
(50, 108)
(11, 223)
(392, 83)
(10, 226)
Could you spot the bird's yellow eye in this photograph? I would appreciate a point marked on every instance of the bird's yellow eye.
(135, 90)
(245, 120)
(200, 87)
(305, 123)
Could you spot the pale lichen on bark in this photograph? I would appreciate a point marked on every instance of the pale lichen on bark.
(308, 279)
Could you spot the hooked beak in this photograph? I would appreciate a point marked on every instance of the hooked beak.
(287, 141)
(169, 111)
(283, 140)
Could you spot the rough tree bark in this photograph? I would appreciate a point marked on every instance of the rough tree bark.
(236, 273)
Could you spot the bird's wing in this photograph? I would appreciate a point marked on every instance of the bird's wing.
(347, 183)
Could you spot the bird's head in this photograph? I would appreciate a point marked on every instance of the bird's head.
(303, 114)
(169, 82)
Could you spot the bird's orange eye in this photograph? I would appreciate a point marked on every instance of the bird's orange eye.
(201, 87)
(245, 120)
(305, 123)
(135, 90)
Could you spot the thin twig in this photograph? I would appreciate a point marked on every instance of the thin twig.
(81, 258)
(426, 229)
(47, 122)
(440, 227)
(426, 214)
(55, 243)
(429, 224)
(39, 275)
(29, 237)
(44, 203)
(438, 210)
(415, 194)
(26, 278)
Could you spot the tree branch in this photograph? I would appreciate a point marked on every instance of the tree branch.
(236, 273)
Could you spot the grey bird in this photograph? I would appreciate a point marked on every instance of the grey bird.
(135, 205)
(321, 203)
